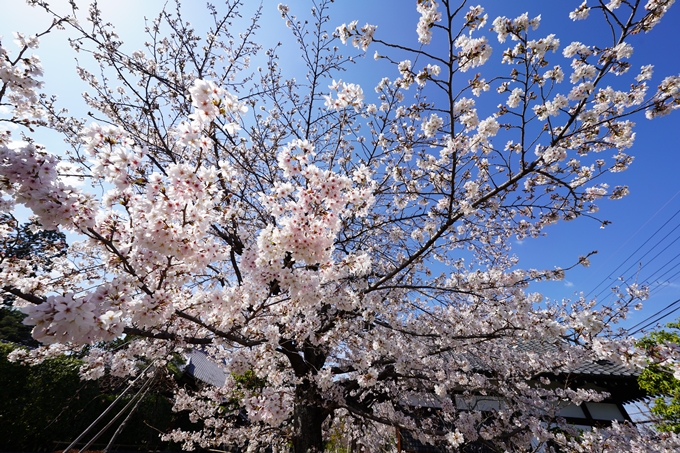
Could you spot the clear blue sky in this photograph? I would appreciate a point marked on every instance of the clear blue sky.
(653, 178)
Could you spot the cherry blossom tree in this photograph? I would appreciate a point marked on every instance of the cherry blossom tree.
(349, 251)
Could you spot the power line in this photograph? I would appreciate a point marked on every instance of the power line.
(655, 256)
(668, 281)
(108, 409)
(631, 237)
(648, 251)
(655, 315)
(665, 264)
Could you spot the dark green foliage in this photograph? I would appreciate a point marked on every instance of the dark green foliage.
(658, 380)
(28, 242)
(12, 329)
(45, 407)
(249, 381)
(24, 243)
(35, 250)
(43, 404)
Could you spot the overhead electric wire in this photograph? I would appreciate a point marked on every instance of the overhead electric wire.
(659, 318)
(660, 268)
(626, 277)
(646, 253)
(632, 236)
(667, 282)
(660, 275)
(654, 285)
(638, 249)
(658, 312)
(106, 411)
(143, 390)
(654, 257)
(663, 266)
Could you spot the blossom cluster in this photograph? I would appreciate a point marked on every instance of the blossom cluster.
(309, 217)
(269, 406)
(21, 80)
(666, 99)
(31, 178)
(67, 319)
(515, 28)
(428, 16)
(361, 37)
(348, 95)
(473, 52)
(210, 102)
(581, 12)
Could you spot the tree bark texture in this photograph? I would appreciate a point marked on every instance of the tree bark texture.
(308, 418)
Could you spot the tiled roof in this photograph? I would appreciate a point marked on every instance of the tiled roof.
(605, 368)
(598, 367)
(202, 368)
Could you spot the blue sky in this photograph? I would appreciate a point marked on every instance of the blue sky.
(653, 177)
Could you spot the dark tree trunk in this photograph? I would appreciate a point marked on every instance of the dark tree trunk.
(308, 417)
(309, 412)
